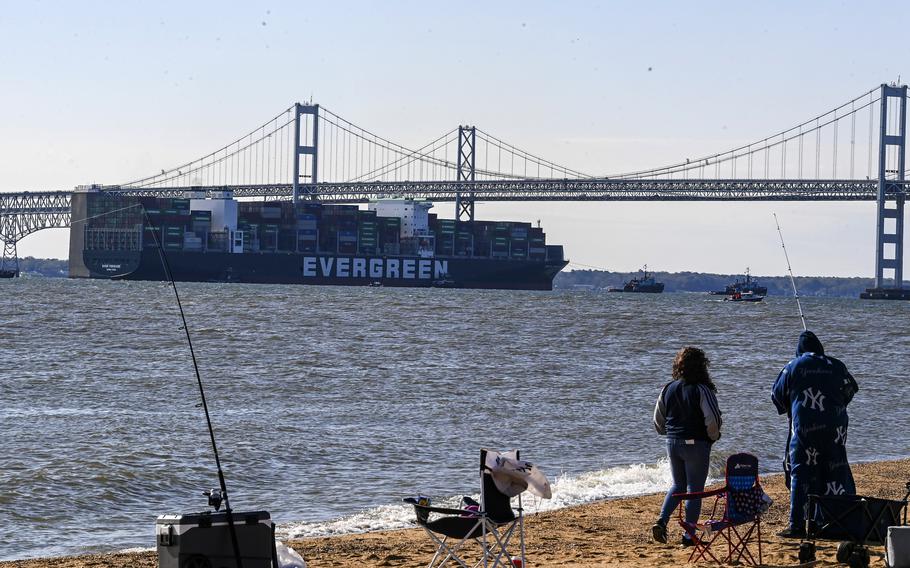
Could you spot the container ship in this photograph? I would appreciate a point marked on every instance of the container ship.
(394, 242)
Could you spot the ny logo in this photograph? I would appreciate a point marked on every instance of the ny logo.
(834, 488)
(841, 435)
(811, 456)
(814, 399)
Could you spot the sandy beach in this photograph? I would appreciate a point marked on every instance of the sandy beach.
(605, 533)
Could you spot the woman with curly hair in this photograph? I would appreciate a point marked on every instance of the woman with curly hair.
(688, 415)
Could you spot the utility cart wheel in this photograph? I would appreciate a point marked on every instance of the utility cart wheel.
(196, 561)
(806, 552)
(859, 558)
(845, 551)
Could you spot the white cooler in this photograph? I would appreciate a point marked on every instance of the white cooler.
(897, 547)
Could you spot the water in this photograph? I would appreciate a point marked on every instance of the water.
(331, 404)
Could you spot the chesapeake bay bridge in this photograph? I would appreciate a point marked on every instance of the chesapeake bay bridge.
(854, 152)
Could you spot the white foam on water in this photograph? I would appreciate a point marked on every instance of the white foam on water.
(610, 483)
(386, 517)
(568, 491)
(135, 550)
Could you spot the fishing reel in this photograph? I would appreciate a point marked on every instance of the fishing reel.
(215, 498)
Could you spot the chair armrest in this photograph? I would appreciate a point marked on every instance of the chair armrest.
(700, 494)
(441, 510)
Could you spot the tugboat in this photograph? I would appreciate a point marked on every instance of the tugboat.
(743, 286)
(645, 284)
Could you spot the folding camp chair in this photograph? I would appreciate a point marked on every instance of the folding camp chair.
(855, 520)
(492, 523)
(735, 518)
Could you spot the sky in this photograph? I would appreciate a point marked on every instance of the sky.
(105, 92)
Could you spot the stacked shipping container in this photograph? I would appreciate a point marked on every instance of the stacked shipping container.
(278, 227)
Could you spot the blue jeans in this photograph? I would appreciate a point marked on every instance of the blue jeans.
(689, 465)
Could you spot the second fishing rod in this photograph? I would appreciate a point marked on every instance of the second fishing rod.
(799, 307)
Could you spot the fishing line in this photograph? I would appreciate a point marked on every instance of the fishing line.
(105, 214)
(205, 408)
(590, 266)
(790, 270)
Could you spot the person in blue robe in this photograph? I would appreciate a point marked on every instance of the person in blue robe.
(814, 390)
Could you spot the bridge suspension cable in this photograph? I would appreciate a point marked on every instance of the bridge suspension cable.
(350, 153)
(827, 146)
(543, 166)
(260, 156)
(432, 161)
(783, 155)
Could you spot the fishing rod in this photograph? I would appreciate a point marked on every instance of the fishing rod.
(788, 468)
(790, 270)
(214, 500)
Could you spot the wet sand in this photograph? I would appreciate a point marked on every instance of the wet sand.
(605, 533)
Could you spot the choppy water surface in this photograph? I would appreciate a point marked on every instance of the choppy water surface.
(330, 404)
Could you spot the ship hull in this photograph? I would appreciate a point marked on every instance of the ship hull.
(316, 269)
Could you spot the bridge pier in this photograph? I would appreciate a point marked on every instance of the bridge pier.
(9, 263)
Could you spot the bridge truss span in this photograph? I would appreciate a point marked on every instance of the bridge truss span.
(22, 214)
(556, 190)
(611, 190)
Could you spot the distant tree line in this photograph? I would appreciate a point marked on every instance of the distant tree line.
(49, 267)
(704, 282)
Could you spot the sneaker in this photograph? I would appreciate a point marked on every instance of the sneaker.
(659, 532)
(686, 542)
(792, 533)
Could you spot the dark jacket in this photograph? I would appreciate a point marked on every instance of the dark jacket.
(814, 389)
(687, 412)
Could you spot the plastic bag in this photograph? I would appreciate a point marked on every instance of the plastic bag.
(288, 557)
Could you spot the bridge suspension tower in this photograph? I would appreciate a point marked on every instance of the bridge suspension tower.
(309, 148)
(889, 237)
(464, 200)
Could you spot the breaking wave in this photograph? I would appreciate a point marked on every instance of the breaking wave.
(568, 491)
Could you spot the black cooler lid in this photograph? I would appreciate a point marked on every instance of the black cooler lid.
(209, 517)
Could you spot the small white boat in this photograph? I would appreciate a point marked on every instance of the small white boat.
(744, 297)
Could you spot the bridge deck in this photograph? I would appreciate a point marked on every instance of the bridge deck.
(26, 212)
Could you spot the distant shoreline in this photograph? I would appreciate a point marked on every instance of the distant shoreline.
(821, 286)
